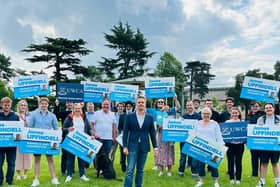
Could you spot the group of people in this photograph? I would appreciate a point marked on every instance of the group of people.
(138, 126)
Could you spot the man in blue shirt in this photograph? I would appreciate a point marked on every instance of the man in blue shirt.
(9, 152)
(44, 119)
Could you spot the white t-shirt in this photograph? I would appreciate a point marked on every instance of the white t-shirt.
(103, 124)
(211, 131)
(79, 124)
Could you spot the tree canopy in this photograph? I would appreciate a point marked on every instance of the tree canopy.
(60, 54)
(5, 71)
(131, 52)
(198, 77)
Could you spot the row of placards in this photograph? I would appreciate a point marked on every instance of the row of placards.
(259, 137)
(44, 141)
(36, 85)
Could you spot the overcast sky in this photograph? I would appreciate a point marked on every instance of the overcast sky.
(232, 35)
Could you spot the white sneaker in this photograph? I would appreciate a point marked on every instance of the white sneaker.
(231, 181)
(160, 174)
(24, 177)
(169, 174)
(260, 184)
(68, 178)
(84, 178)
(18, 177)
(237, 182)
(216, 184)
(55, 181)
(198, 184)
(35, 183)
(155, 168)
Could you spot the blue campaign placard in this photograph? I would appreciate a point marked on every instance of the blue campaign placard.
(177, 130)
(123, 93)
(80, 144)
(160, 115)
(234, 131)
(95, 91)
(200, 148)
(70, 92)
(40, 141)
(10, 131)
(162, 87)
(263, 137)
(260, 89)
(27, 86)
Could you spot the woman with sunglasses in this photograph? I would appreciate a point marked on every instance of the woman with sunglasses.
(165, 158)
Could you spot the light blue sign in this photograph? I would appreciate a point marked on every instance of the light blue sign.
(234, 131)
(95, 91)
(10, 132)
(263, 137)
(81, 145)
(28, 86)
(260, 89)
(69, 92)
(177, 130)
(123, 93)
(160, 115)
(160, 87)
(202, 149)
(40, 141)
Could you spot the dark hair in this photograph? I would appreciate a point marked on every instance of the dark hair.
(269, 104)
(255, 102)
(230, 99)
(196, 100)
(120, 104)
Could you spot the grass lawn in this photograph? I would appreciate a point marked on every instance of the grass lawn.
(151, 178)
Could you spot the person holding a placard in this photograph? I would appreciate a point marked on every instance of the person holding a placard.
(23, 161)
(269, 119)
(192, 163)
(253, 116)
(44, 119)
(157, 114)
(211, 130)
(128, 110)
(235, 152)
(9, 152)
(76, 120)
(166, 155)
(138, 130)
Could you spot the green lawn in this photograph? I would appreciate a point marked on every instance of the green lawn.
(151, 178)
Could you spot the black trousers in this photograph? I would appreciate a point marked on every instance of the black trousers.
(234, 156)
(255, 159)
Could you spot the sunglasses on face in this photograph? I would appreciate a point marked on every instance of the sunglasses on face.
(161, 102)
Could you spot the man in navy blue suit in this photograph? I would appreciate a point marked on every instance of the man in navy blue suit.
(138, 128)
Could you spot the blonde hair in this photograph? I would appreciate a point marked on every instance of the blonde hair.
(22, 102)
(6, 100)
(44, 99)
(206, 110)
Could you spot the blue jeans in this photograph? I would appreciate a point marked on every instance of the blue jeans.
(201, 170)
(183, 157)
(71, 162)
(137, 158)
(107, 145)
(10, 154)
